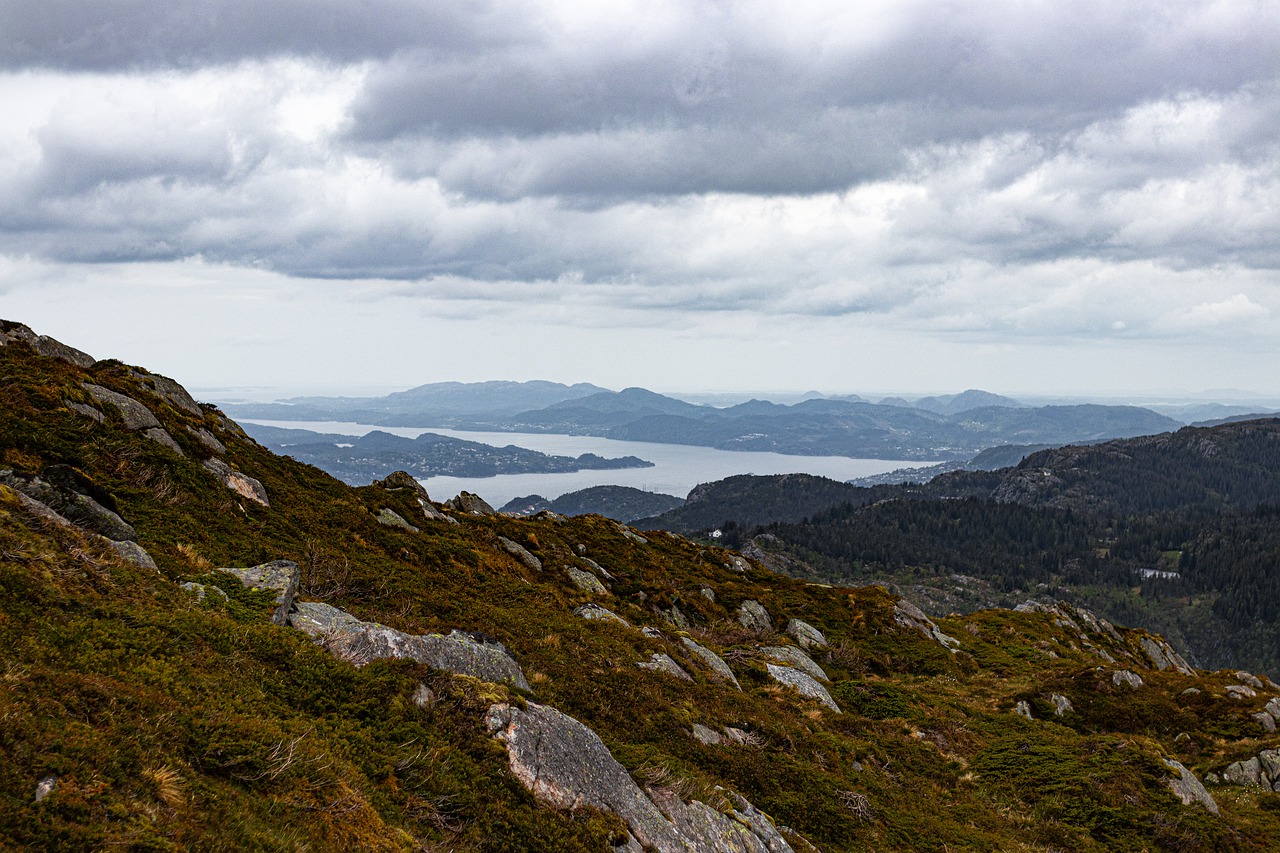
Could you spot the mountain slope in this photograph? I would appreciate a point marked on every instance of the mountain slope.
(386, 673)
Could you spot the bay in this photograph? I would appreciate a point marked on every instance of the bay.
(677, 467)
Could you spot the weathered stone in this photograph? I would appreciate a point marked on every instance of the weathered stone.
(708, 593)
(792, 656)
(317, 619)
(1124, 676)
(161, 436)
(675, 617)
(713, 660)
(423, 696)
(752, 615)
(1250, 679)
(461, 652)
(1248, 772)
(11, 332)
(565, 765)
(628, 533)
(1188, 788)
(738, 564)
(38, 509)
(664, 663)
(704, 735)
(209, 440)
(651, 632)
(1269, 761)
(391, 518)
(1240, 691)
(909, 616)
(597, 568)
(741, 737)
(1061, 704)
(1163, 656)
(79, 509)
(45, 786)
(586, 581)
(279, 576)
(134, 553)
(88, 411)
(595, 611)
(521, 553)
(398, 480)
(470, 504)
(241, 484)
(172, 393)
(1023, 709)
(200, 591)
(806, 635)
(802, 683)
(1273, 708)
(1267, 722)
(429, 511)
(135, 415)
(1190, 691)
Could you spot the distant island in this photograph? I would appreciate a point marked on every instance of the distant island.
(361, 460)
(621, 503)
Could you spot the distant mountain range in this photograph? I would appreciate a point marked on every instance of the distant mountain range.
(361, 460)
(951, 427)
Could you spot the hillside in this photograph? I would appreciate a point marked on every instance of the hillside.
(621, 503)
(378, 671)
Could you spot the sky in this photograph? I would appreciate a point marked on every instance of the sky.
(1074, 197)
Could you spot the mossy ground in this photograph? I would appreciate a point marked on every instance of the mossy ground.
(173, 724)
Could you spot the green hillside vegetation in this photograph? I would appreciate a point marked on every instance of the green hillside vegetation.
(138, 715)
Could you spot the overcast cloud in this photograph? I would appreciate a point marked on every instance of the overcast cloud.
(736, 195)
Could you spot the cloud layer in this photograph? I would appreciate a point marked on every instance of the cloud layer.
(1000, 172)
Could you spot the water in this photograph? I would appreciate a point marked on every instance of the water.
(677, 467)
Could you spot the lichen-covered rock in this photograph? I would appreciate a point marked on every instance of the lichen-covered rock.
(402, 480)
(1267, 722)
(75, 507)
(753, 616)
(169, 391)
(792, 656)
(1061, 704)
(806, 635)
(88, 411)
(565, 765)
(1124, 676)
(1240, 691)
(11, 332)
(134, 553)
(911, 617)
(665, 664)
(675, 617)
(651, 632)
(1273, 708)
(1250, 679)
(391, 518)
(470, 504)
(707, 736)
(708, 593)
(161, 436)
(461, 652)
(316, 619)
(1163, 655)
(241, 484)
(1023, 709)
(135, 415)
(585, 581)
(279, 576)
(1247, 772)
(628, 533)
(521, 553)
(200, 591)
(45, 786)
(597, 568)
(1188, 788)
(802, 683)
(209, 440)
(712, 660)
(595, 611)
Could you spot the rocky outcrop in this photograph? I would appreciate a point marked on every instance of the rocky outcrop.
(586, 581)
(1188, 788)
(712, 660)
(161, 436)
(391, 518)
(566, 766)
(1124, 676)
(1163, 656)
(1241, 691)
(1061, 704)
(802, 683)
(57, 495)
(791, 656)
(665, 664)
(806, 635)
(461, 652)
(595, 611)
(278, 576)
(135, 415)
(134, 553)
(201, 592)
(706, 736)
(11, 332)
(171, 392)
(470, 504)
(208, 440)
(753, 616)
(319, 620)
(242, 484)
(1261, 771)
(521, 553)
(1250, 679)
(913, 618)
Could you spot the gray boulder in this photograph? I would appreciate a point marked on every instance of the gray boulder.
(1124, 676)
(752, 615)
(1188, 788)
(11, 332)
(802, 683)
(400, 481)
(316, 619)
(521, 553)
(134, 553)
(792, 656)
(470, 504)
(135, 415)
(1240, 691)
(391, 518)
(1250, 679)
(161, 436)
(461, 652)
(70, 505)
(712, 660)
(279, 576)
(201, 592)
(241, 484)
(566, 766)
(675, 617)
(1267, 722)
(1163, 655)
(209, 440)
(665, 664)
(806, 635)
(586, 581)
(1248, 772)
(88, 411)
(1023, 709)
(595, 611)
(1273, 708)
(172, 393)
(1061, 704)
(706, 736)
(45, 786)
(913, 618)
